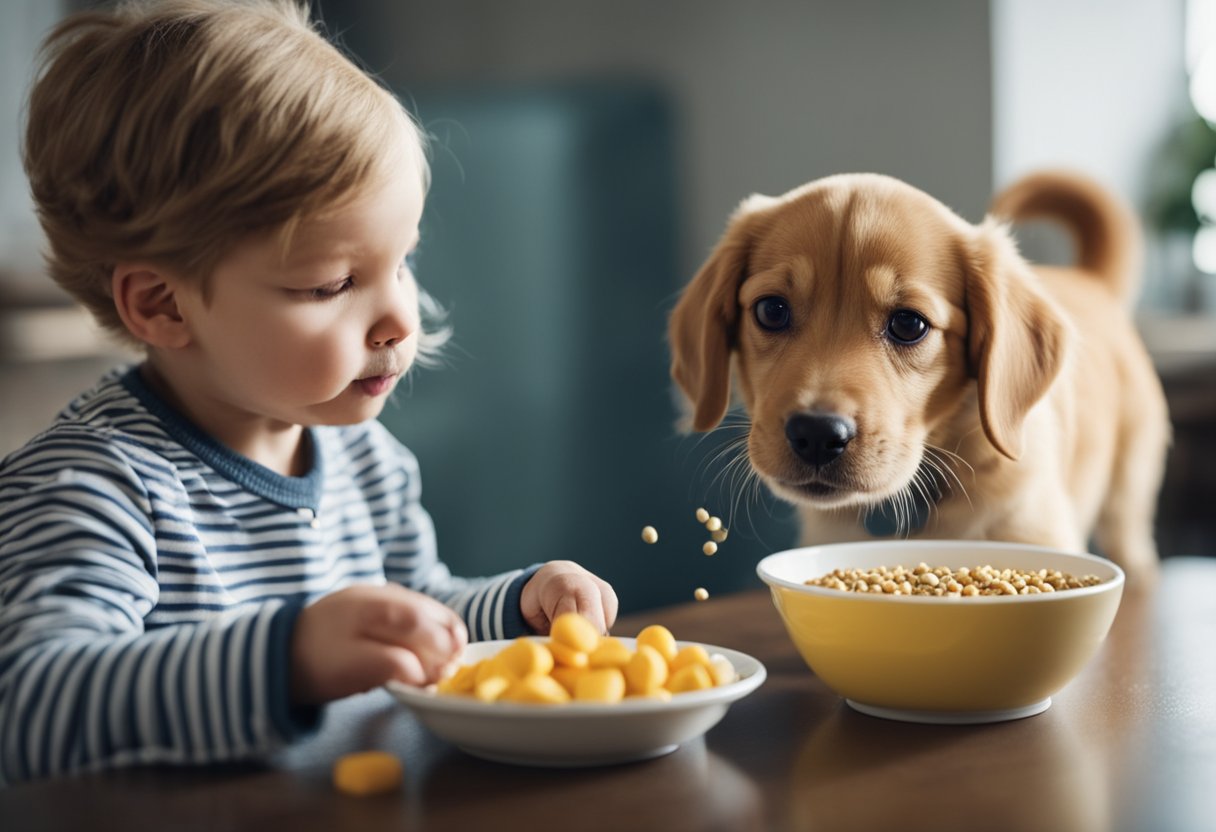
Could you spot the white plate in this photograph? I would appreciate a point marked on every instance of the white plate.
(578, 733)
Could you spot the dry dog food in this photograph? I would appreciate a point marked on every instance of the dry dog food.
(577, 664)
(923, 579)
(367, 773)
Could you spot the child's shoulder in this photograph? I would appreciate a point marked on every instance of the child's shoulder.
(105, 425)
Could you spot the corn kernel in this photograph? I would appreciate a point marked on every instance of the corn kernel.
(700, 593)
(710, 547)
(367, 773)
(702, 515)
(650, 534)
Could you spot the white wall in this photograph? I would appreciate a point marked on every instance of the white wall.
(1094, 85)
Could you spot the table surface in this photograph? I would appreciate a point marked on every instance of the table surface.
(1130, 744)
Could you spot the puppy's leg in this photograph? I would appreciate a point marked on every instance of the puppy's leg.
(1124, 530)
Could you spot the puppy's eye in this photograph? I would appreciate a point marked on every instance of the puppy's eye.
(772, 313)
(906, 327)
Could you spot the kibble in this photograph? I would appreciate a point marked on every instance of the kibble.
(710, 547)
(650, 534)
(700, 593)
(718, 535)
(713, 524)
(702, 515)
(966, 582)
(577, 664)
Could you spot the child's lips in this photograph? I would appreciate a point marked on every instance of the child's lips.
(375, 385)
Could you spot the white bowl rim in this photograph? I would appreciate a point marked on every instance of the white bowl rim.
(751, 670)
(915, 545)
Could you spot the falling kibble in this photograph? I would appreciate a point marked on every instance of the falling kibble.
(702, 515)
(710, 547)
(714, 524)
(701, 593)
(650, 534)
(718, 535)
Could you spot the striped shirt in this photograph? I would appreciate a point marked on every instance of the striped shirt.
(150, 579)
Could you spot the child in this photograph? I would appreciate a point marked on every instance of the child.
(204, 549)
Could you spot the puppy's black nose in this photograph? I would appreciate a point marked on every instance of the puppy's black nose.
(819, 438)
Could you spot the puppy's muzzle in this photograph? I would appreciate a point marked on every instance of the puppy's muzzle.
(819, 438)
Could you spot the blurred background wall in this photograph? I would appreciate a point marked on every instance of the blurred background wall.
(585, 158)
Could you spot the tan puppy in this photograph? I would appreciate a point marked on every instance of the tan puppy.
(907, 372)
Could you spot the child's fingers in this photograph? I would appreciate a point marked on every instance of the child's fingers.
(430, 631)
(609, 601)
(391, 662)
(583, 598)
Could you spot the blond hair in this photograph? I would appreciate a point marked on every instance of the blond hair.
(166, 132)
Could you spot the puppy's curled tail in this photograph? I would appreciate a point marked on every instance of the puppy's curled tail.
(1106, 231)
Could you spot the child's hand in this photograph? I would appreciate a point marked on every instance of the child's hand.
(361, 637)
(563, 586)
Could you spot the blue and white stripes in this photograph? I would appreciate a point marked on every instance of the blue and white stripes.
(150, 579)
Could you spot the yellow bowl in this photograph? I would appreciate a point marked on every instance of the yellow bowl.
(938, 659)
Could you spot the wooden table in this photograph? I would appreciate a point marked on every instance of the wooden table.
(1128, 745)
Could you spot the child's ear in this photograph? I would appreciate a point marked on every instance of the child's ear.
(146, 300)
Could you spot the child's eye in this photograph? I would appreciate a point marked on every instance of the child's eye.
(330, 290)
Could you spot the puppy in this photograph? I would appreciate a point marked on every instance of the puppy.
(906, 372)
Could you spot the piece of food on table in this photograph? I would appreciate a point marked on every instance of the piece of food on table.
(367, 773)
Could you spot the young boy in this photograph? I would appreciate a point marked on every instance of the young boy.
(204, 549)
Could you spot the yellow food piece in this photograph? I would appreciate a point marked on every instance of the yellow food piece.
(573, 630)
(647, 670)
(491, 688)
(525, 657)
(367, 773)
(692, 654)
(536, 689)
(650, 534)
(660, 638)
(611, 652)
(493, 666)
(700, 593)
(462, 681)
(568, 677)
(659, 694)
(559, 670)
(604, 685)
(722, 671)
(566, 655)
(692, 677)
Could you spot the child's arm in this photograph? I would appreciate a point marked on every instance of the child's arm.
(83, 684)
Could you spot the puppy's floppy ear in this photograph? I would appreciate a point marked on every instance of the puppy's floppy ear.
(1016, 339)
(703, 324)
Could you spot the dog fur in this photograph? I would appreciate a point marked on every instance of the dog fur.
(1031, 400)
